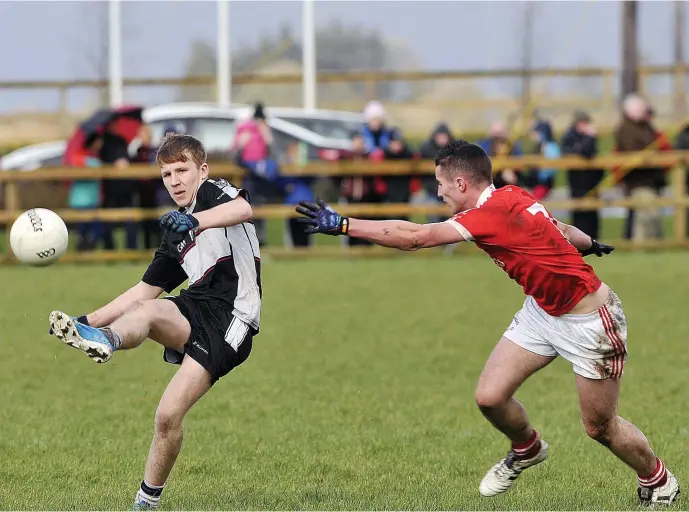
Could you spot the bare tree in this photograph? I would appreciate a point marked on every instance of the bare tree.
(340, 48)
(91, 57)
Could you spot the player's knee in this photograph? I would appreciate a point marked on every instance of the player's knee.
(168, 421)
(600, 429)
(148, 308)
(490, 399)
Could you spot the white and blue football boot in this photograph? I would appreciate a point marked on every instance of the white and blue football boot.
(144, 505)
(89, 340)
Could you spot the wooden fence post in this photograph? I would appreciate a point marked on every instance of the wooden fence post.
(11, 205)
(679, 191)
(11, 196)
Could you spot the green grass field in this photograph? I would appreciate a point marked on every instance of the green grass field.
(358, 394)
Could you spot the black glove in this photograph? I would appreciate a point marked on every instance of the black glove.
(81, 319)
(321, 218)
(598, 249)
(179, 222)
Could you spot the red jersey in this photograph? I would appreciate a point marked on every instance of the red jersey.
(523, 239)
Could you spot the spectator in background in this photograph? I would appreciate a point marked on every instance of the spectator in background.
(635, 133)
(295, 189)
(360, 189)
(398, 186)
(119, 193)
(541, 180)
(581, 140)
(682, 144)
(440, 137)
(682, 139)
(375, 133)
(148, 189)
(251, 145)
(497, 144)
(662, 144)
(86, 195)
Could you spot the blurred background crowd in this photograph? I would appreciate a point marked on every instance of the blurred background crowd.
(120, 137)
(258, 133)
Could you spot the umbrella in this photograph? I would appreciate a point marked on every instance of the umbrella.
(125, 122)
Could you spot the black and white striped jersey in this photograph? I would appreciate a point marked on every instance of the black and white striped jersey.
(223, 265)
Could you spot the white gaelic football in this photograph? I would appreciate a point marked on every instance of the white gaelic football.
(38, 237)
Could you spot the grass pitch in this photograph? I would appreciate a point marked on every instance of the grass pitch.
(358, 394)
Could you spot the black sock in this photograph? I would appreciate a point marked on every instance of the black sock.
(151, 490)
(149, 494)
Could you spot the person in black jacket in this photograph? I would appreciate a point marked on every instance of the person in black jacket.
(581, 140)
(440, 137)
(398, 187)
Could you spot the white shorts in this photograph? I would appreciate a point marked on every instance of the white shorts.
(595, 343)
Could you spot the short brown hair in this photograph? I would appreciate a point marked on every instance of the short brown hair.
(174, 147)
(467, 159)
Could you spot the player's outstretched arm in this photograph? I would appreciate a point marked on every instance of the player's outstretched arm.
(113, 310)
(403, 235)
(222, 216)
(398, 234)
(583, 242)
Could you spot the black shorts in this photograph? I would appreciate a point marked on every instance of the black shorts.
(219, 341)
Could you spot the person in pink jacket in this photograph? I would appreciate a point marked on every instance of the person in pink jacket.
(251, 147)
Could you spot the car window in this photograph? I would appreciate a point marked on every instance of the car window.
(215, 134)
(286, 146)
(159, 128)
(332, 128)
(55, 161)
(281, 144)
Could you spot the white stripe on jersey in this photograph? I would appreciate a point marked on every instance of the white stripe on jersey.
(462, 230)
(236, 333)
(244, 244)
(238, 242)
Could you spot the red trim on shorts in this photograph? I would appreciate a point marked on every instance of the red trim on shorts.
(623, 349)
(609, 331)
(617, 361)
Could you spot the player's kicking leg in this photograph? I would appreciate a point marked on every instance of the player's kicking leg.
(162, 321)
(188, 385)
(507, 368)
(158, 319)
(598, 403)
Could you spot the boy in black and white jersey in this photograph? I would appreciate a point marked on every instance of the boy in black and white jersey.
(209, 327)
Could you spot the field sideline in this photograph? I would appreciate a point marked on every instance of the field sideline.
(358, 395)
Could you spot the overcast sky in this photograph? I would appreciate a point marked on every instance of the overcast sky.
(55, 39)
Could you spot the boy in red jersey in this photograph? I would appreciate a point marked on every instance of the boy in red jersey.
(568, 312)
